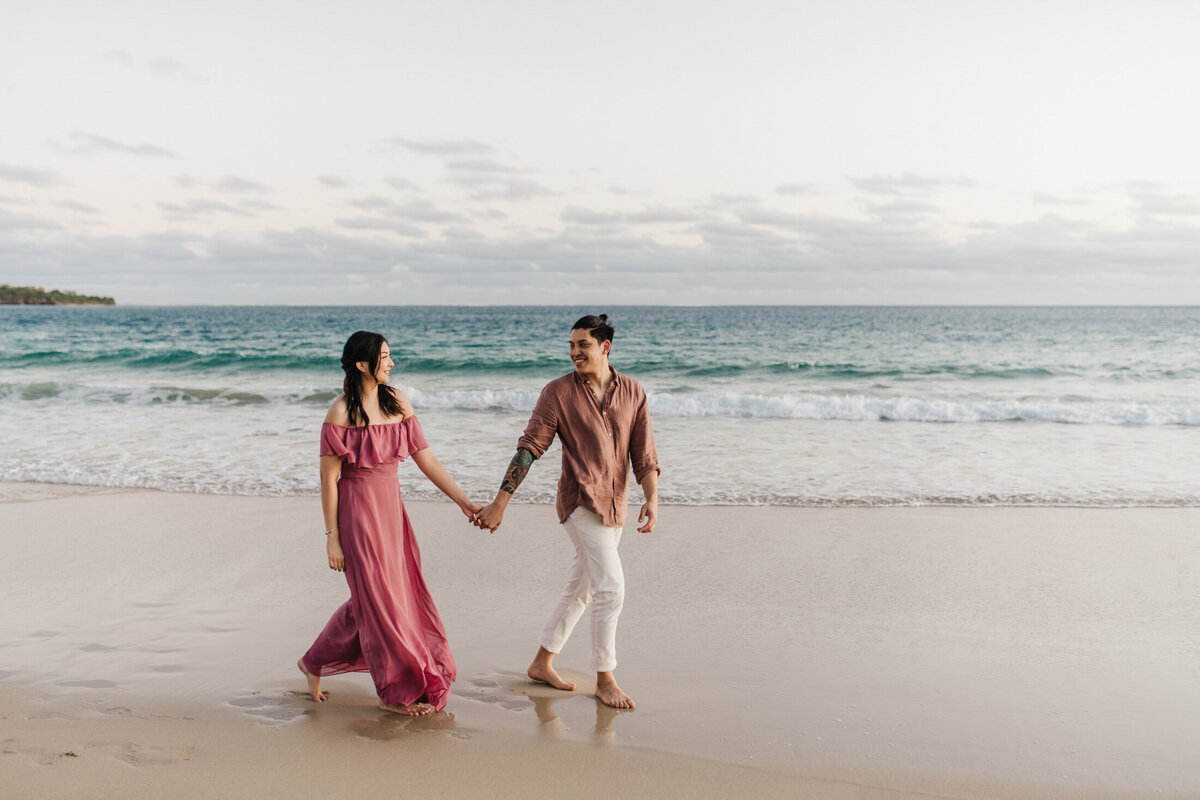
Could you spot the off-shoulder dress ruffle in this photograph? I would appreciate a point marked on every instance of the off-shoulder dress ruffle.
(375, 444)
(389, 626)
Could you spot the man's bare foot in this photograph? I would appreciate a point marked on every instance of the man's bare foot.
(409, 709)
(610, 694)
(314, 683)
(545, 673)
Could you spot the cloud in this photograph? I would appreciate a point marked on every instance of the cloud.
(906, 183)
(168, 67)
(160, 66)
(658, 214)
(197, 208)
(29, 175)
(75, 205)
(652, 215)
(462, 233)
(333, 181)
(88, 143)
(443, 147)
(25, 222)
(479, 165)
(117, 57)
(486, 187)
(402, 184)
(417, 209)
(237, 185)
(905, 209)
(257, 204)
(793, 189)
(488, 179)
(399, 227)
(1167, 204)
(584, 216)
(1047, 199)
(743, 251)
(723, 201)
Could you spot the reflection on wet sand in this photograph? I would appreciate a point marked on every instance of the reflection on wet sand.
(550, 724)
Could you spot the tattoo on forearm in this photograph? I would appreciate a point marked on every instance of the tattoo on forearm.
(517, 469)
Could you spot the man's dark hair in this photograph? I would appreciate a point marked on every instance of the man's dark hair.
(596, 325)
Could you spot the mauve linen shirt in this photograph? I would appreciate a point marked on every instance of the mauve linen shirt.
(600, 438)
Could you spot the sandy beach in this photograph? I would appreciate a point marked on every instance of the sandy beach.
(148, 644)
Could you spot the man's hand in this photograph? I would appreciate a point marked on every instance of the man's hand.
(489, 517)
(648, 515)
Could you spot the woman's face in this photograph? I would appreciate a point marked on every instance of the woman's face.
(384, 371)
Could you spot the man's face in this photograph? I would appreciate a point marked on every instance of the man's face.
(588, 355)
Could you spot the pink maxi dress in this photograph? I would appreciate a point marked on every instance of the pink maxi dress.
(389, 626)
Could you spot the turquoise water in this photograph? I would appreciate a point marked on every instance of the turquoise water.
(789, 405)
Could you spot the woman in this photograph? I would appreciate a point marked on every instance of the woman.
(389, 626)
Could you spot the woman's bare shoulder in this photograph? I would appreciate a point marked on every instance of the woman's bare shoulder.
(406, 409)
(338, 414)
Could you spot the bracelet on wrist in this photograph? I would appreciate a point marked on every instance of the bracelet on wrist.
(331, 530)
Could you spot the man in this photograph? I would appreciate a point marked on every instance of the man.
(603, 422)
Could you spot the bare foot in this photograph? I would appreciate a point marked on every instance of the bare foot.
(314, 683)
(544, 673)
(409, 710)
(610, 694)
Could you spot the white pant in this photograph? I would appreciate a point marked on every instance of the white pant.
(596, 578)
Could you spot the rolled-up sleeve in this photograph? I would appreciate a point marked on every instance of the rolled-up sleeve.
(642, 453)
(543, 423)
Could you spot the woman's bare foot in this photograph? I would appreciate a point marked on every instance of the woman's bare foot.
(409, 709)
(314, 683)
(542, 670)
(610, 694)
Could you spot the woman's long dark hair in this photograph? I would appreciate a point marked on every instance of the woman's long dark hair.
(365, 346)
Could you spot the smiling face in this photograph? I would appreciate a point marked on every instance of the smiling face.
(589, 356)
(383, 370)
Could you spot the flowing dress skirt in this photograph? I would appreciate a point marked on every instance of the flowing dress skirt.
(389, 626)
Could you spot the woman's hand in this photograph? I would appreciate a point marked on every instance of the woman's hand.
(333, 546)
(470, 508)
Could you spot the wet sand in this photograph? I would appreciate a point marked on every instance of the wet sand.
(148, 645)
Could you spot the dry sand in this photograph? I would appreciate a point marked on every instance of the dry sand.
(148, 643)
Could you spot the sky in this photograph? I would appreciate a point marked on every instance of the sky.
(563, 152)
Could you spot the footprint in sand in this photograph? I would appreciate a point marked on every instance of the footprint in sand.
(139, 755)
(39, 755)
(513, 690)
(393, 726)
(114, 710)
(281, 707)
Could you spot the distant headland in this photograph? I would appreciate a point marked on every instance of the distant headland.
(37, 296)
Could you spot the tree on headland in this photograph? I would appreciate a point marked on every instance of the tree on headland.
(37, 296)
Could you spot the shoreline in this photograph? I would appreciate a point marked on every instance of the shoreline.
(17, 491)
(858, 652)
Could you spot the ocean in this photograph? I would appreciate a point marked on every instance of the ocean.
(751, 405)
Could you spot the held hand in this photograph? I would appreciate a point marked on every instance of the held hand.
(648, 515)
(470, 508)
(333, 546)
(488, 518)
